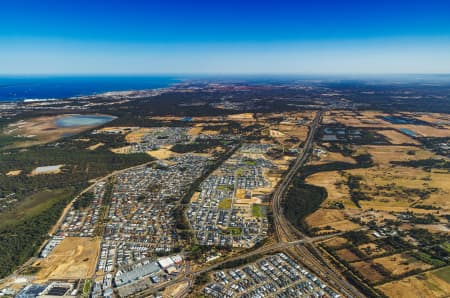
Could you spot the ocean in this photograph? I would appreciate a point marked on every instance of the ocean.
(40, 87)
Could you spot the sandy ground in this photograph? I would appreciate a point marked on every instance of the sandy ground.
(195, 196)
(16, 283)
(175, 290)
(73, 258)
(93, 147)
(276, 133)
(14, 173)
(241, 117)
(210, 132)
(41, 130)
(120, 129)
(418, 286)
(55, 171)
(121, 150)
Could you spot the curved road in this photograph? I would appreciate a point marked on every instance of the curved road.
(289, 238)
(286, 232)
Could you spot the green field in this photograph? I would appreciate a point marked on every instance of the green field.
(446, 246)
(22, 232)
(87, 288)
(256, 210)
(7, 140)
(225, 187)
(234, 231)
(35, 204)
(225, 204)
(443, 273)
(428, 259)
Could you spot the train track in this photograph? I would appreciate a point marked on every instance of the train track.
(286, 232)
(289, 238)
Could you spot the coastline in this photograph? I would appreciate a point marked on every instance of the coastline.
(33, 90)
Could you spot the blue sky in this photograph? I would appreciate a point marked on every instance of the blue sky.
(137, 37)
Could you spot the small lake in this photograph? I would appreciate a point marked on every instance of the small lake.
(403, 120)
(408, 132)
(83, 120)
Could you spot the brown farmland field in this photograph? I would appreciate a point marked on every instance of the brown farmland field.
(401, 263)
(430, 284)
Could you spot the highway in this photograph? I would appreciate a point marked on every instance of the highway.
(286, 232)
(189, 276)
(289, 238)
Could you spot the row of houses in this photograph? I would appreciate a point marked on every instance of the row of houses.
(223, 212)
(275, 276)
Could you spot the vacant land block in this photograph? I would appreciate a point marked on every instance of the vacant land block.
(73, 258)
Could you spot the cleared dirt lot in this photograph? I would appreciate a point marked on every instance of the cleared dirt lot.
(73, 258)
(96, 146)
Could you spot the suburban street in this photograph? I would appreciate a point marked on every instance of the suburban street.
(288, 237)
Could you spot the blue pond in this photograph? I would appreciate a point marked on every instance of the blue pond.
(83, 120)
(408, 132)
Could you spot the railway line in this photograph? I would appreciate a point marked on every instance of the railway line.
(286, 232)
(289, 238)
